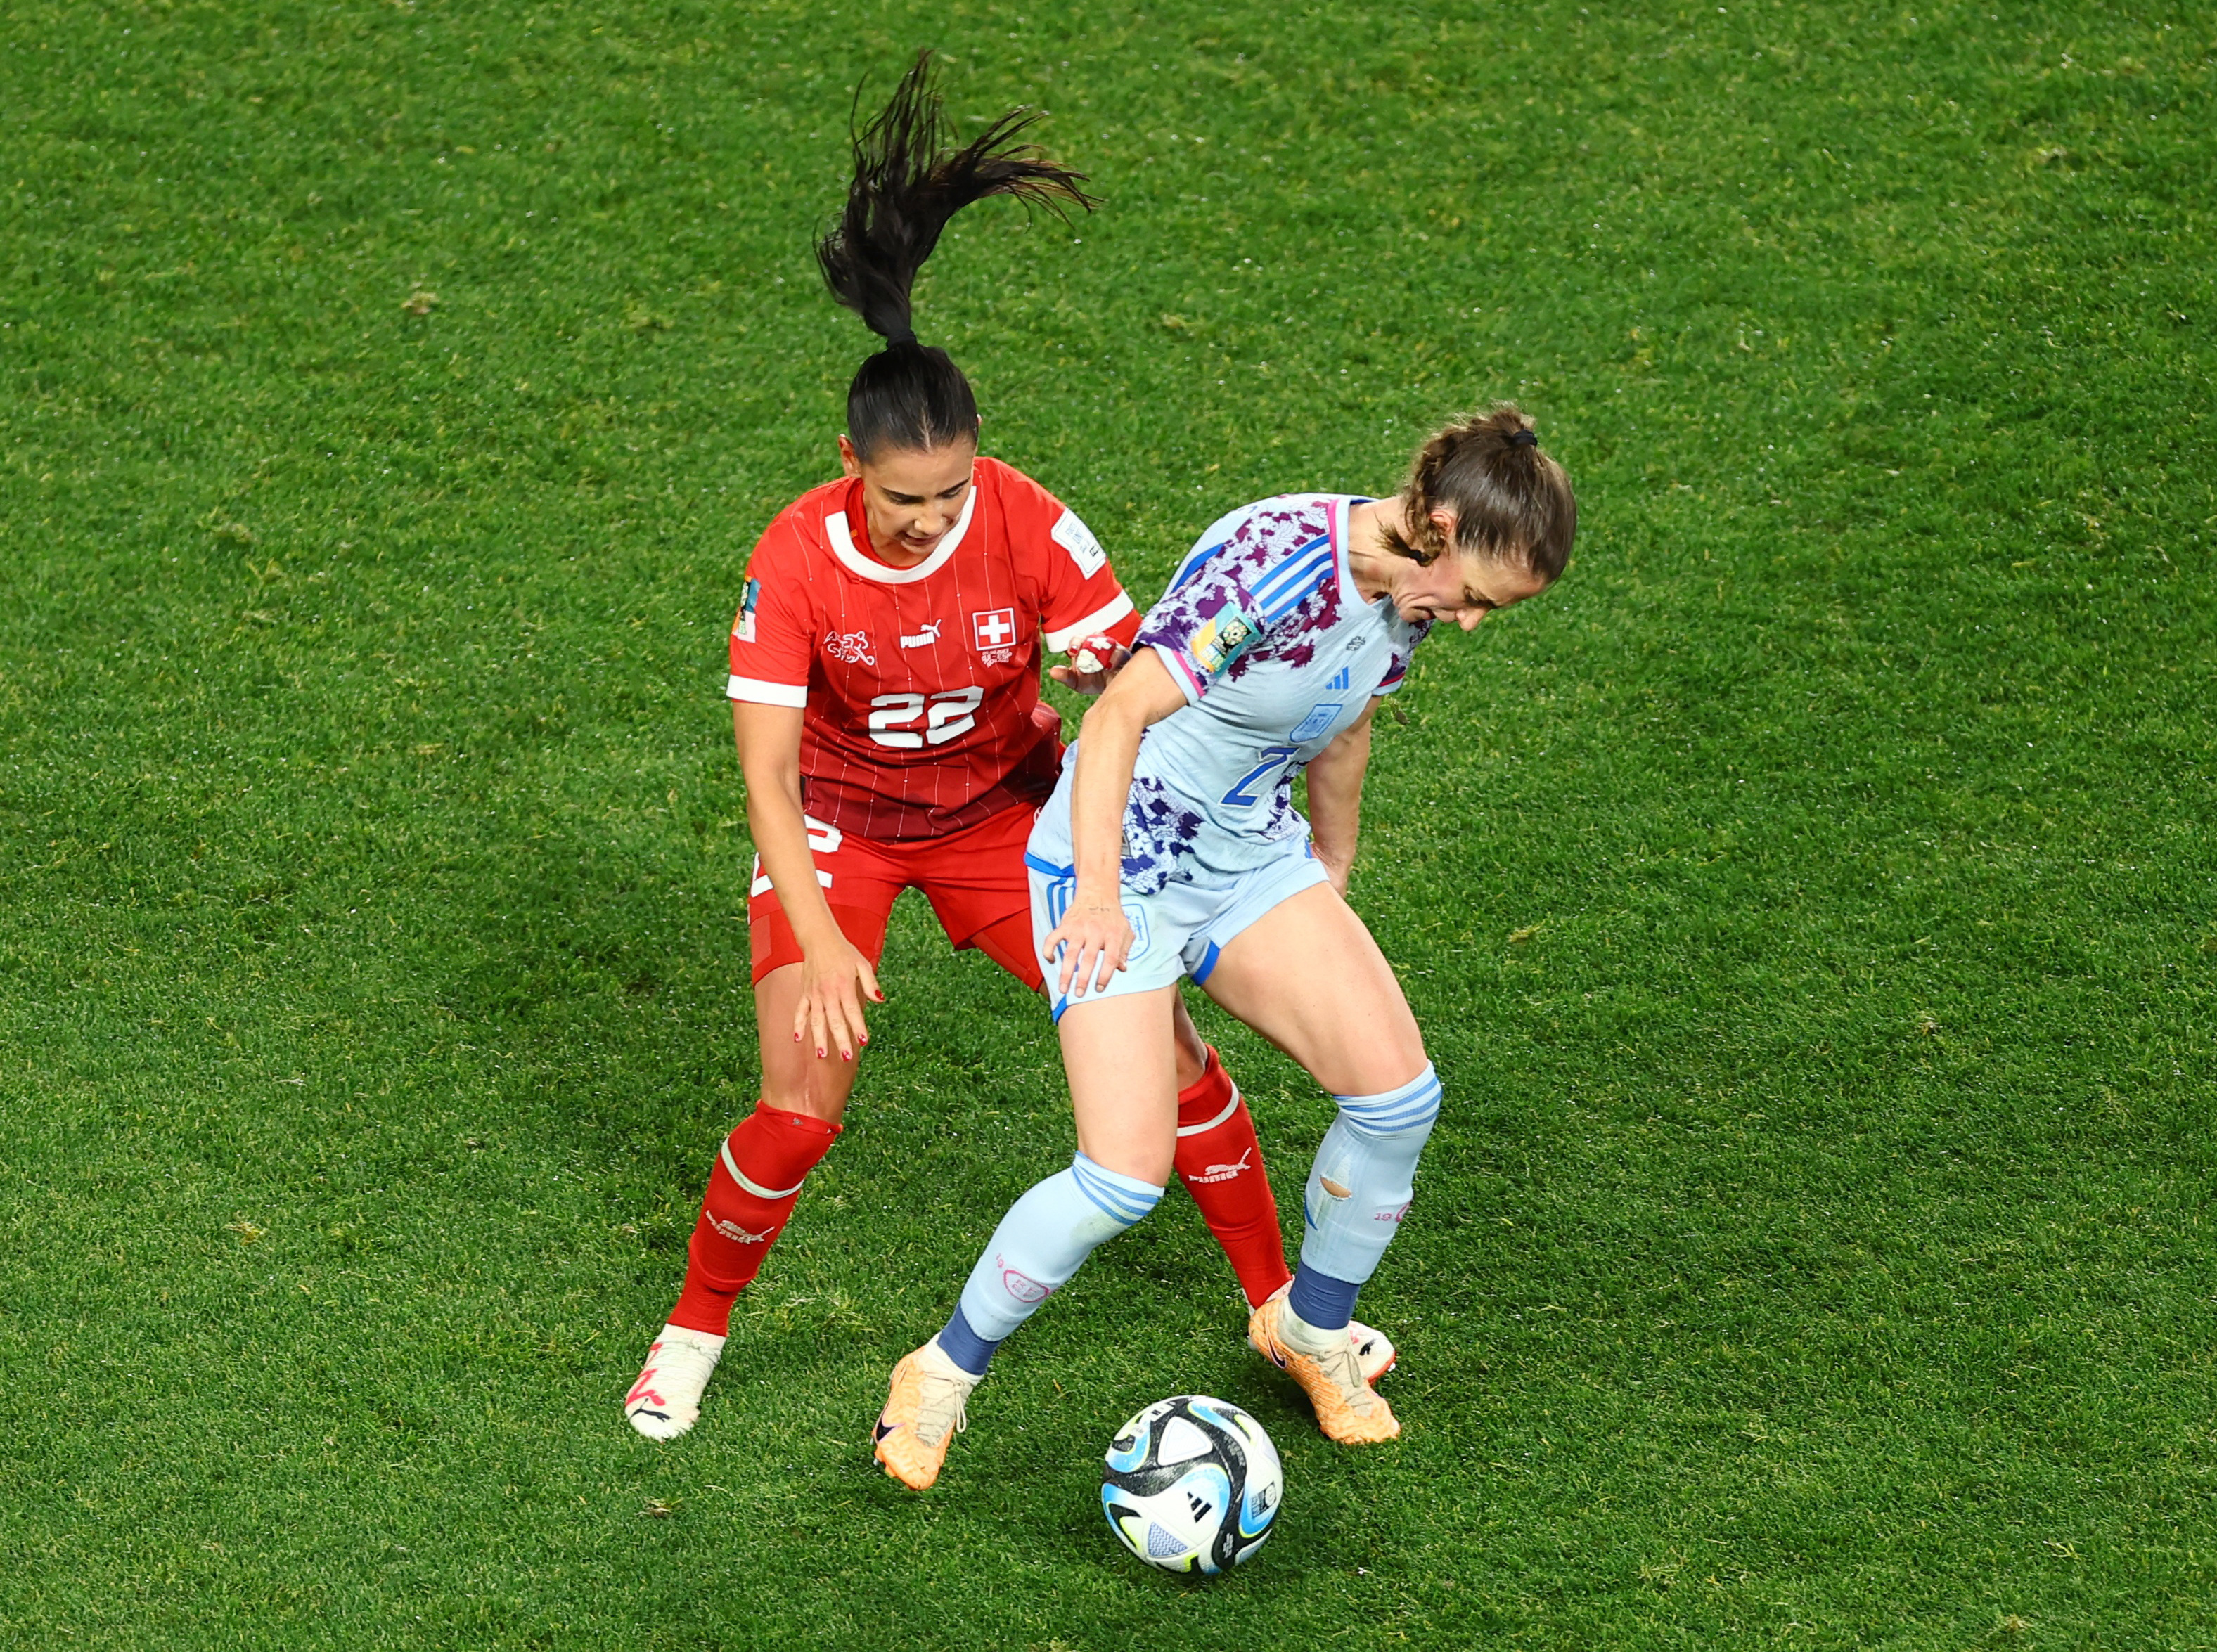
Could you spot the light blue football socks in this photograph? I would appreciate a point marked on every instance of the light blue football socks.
(1041, 1242)
(1358, 1191)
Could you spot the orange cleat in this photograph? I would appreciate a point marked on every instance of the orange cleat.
(1346, 1408)
(924, 1413)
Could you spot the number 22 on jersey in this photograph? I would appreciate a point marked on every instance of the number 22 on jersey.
(950, 712)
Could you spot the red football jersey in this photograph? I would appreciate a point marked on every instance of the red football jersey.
(919, 682)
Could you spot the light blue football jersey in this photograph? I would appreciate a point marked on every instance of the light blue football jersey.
(1263, 628)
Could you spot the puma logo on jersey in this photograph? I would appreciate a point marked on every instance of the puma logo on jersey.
(924, 639)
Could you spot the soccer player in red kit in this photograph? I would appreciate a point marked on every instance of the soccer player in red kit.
(885, 697)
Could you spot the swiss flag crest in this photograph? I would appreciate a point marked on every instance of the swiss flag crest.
(994, 628)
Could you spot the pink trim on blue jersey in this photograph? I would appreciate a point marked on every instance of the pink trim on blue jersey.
(1191, 681)
(1253, 596)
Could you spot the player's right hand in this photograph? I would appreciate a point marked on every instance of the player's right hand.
(1093, 662)
(1092, 943)
(833, 985)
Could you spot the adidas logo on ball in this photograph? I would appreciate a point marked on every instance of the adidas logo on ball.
(1193, 1484)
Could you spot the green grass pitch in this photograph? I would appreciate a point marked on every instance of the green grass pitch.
(1809, 902)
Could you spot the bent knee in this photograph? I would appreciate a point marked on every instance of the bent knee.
(1150, 1165)
(819, 1089)
(1403, 1109)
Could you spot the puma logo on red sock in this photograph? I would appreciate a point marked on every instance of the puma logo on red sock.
(1226, 1172)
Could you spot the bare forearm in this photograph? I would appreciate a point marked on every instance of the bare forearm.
(1335, 785)
(781, 835)
(770, 758)
(1107, 752)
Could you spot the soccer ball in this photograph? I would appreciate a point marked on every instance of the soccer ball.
(1193, 1484)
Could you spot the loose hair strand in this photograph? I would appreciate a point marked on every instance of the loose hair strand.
(909, 180)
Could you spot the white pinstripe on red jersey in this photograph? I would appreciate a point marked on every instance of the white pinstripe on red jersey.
(918, 684)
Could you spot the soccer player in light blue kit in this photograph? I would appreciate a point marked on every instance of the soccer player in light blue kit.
(1171, 847)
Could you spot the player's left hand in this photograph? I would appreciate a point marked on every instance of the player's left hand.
(1091, 943)
(1093, 661)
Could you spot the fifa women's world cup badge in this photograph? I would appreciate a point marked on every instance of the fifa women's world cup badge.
(744, 630)
(1218, 642)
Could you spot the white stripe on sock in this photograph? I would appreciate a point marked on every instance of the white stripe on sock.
(1202, 1130)
(750, 1183)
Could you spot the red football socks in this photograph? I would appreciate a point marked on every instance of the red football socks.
(1220, 1162)
(751, 1192)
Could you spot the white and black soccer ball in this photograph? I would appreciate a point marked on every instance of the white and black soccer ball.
(1193, 1484)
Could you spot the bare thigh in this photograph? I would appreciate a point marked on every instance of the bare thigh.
(1308, 977)
(1123, 1082)
(1192, 1053)
(797, 1080)
(794, 1077)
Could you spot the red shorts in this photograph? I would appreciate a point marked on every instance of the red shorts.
(974, 879)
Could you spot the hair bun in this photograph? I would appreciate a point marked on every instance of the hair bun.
(1503, 505)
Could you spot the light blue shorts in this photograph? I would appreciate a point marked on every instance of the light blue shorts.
(1178, 930)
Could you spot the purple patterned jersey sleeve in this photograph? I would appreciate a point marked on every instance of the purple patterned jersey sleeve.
(1221, 610)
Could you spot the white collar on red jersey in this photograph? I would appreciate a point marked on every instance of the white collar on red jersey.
(842, 546)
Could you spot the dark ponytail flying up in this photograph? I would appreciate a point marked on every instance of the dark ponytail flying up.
(908, 181)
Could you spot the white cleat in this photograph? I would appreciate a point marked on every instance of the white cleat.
(666, 1401)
